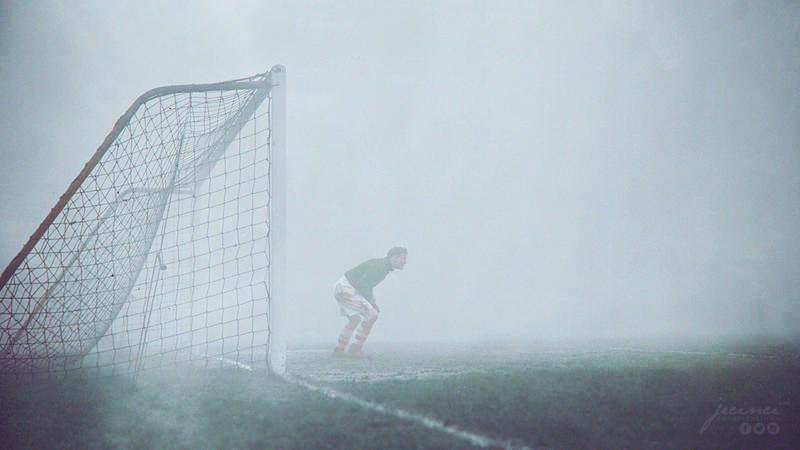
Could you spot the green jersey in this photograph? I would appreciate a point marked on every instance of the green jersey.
(368, 274)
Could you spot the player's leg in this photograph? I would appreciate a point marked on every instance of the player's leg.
(346, 333)
(370, 315)
(351, 306)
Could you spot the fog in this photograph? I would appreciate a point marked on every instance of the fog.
(589, 169)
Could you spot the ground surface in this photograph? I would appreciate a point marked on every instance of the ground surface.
(610, 394)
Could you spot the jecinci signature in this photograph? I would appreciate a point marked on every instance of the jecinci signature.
(757, 420)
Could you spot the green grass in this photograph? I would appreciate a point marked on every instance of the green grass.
(223, 409)
(579, 396)
(602, 403)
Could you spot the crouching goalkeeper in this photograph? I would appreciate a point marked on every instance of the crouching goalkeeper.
(353, 292)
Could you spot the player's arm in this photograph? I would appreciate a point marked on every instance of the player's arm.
(361, 275)
(368, 294)
(374, 303)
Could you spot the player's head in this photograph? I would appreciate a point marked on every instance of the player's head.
(397, 256)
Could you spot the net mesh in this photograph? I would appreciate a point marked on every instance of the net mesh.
(160, 250)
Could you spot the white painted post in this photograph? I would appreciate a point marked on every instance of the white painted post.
(276, 357)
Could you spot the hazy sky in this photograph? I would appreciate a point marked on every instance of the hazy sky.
(578, 169)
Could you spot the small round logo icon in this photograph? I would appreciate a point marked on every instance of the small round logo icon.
(759, 428)
(745, 428)
(773, 428)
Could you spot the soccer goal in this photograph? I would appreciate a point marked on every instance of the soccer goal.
(168, 246)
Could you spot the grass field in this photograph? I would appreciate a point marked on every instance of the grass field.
(609, 394)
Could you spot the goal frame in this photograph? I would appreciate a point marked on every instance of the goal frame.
(272, 83)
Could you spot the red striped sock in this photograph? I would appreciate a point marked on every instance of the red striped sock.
(362, 335)
(344, 336)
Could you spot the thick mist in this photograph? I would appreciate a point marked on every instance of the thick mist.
(582, 170)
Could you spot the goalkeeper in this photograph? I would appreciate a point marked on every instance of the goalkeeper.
(353, 292)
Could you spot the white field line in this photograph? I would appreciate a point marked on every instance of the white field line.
(689, 352)
(308, 350)
(428, 422)
(229, 361)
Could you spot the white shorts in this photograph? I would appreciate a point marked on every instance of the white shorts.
(351, 302)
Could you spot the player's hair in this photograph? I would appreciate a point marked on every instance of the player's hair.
(396, 251)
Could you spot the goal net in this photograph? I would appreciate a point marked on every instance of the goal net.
(167, 247)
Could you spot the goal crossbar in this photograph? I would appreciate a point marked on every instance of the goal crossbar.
(260, 82)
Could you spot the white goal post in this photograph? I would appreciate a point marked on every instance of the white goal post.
(169, 246)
